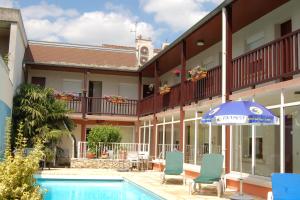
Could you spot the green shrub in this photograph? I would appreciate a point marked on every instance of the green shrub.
(16, 172)
(105, 134)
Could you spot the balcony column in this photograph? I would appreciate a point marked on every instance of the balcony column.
(182, 96)
(226, 77)
(84, 95)
(156, 87)
(154, 131)
(154, 138)
(139, 94)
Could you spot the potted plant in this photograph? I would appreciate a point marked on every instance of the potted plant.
(197, 73)
(164, 89)
(103, 134)
(64, 95)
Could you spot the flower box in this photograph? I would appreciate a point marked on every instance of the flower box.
(164, 90)
(115, 99)
(66, 96)
(199, 76)
(197, 73)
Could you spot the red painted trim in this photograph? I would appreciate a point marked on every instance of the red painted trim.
(250, 188)
(83, 132)
(102, 122)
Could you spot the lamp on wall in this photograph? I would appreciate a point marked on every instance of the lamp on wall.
(200, 43)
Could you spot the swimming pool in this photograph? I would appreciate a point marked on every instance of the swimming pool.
(89, 189)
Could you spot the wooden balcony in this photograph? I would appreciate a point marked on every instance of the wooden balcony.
(169, 100)
(146, 105)
(205, 88)
(276, 60)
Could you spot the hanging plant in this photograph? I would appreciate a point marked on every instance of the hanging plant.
(197, 73)
(177, 72)
(5, 58)
(164, 89)
(151, 87)
(115, 99)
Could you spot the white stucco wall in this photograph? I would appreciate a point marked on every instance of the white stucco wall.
(111, 84)
(6, 85)
(16, 55)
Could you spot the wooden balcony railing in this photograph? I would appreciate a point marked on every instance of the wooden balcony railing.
(146, 105)
(208, 87)
(278, 59)
(169, 100)
(74, 105)
(100, 106)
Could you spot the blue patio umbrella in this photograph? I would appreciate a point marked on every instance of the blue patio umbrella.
(240, 113)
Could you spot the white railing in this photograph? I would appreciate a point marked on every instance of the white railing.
(201, 150)
(112, 150)
(163, 148)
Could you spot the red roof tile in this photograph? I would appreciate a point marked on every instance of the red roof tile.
(102, 57)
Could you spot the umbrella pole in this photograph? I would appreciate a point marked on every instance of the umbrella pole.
(241, 163)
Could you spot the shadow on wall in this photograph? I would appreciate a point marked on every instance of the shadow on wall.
(5, 112)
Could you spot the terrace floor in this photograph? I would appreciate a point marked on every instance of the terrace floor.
(149, 180)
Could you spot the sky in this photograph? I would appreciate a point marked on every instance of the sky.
(96, 22)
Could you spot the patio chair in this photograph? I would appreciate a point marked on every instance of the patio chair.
(285, 186)
(144, 159)
(174, 166)
(211, 172)
(133, 158)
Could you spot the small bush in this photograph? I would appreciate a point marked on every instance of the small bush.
(16, 171)
(105, 134)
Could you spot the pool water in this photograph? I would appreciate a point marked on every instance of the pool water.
(69, 189)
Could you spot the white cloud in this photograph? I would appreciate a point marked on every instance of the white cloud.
(6, 3)
(177, 14)
(44, 9)
(57, 24)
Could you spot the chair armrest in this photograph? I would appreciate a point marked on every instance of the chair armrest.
(270, 196)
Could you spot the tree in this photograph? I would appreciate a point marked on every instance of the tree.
(16, 172)
(42, 114)
(105, 134)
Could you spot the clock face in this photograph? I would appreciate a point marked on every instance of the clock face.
(143, 59)
(144, 50)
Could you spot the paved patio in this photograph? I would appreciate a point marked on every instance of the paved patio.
(150, 180)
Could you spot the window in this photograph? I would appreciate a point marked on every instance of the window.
(72, 86)
(40, 81)
(258, 147)
(255, 41)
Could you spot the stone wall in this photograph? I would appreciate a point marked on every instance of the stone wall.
(99, 163)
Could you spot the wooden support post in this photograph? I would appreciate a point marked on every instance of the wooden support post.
(156, 88)
(139, 94)
(182, 96)
(83, 132)
(84, 95)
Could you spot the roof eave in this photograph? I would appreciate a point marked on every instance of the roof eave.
(82, 66)
(188, 32)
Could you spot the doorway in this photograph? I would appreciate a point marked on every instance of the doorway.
(95, 90)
